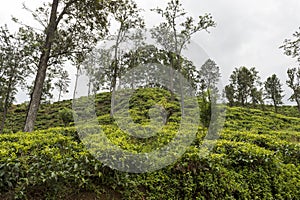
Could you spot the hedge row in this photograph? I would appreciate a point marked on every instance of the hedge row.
(53, 164)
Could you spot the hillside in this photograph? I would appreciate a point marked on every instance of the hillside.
(48, 115)
(256, 157)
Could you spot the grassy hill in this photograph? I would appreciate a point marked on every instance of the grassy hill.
(256, 157)
(48, 115)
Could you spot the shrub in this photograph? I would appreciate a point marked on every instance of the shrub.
(66, 115)
(54, 164)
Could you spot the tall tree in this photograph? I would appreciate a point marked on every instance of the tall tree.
(97, 67)
(291, 47)
(294, 83)
(175, 32)
(229, 94)
(209, 75)
(127, 15)
(151, 55)
(62, 83)
(79, 59)
(273, 89)
(47, 94)
(69, 27)
(14, 68)
(245, 84)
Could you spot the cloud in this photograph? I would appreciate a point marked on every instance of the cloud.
(248, 33)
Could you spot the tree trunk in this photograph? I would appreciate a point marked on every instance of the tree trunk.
(42, 69)
(275, 106)
(298, 104)
(3, 119)
(172, 78)
(76, 82)
(89, 87)
(5, 109)
(59, 95)
(115, 71)
(113, 96)
(6, 103)
(181, 88)
(4, 116)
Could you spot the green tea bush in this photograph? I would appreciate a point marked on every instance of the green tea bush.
(256, 157)
(54, 164)
(66, 115)
(44, 164)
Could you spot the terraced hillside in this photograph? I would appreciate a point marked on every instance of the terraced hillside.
(256, 157)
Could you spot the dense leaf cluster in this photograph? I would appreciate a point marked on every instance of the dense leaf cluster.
(256, 157)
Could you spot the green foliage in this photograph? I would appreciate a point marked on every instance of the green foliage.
(209, 75)
(53, 162)
(274, 91)
(294, 83)
(244, 87)
(259, 121)
(229, 94)
(31, 163)
(66, 115)
(70, 29)
(62, 83)
(291, 46)
(14, 68)
(256, 157)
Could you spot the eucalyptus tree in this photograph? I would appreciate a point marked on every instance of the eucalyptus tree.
(229, 94)
(68, 28)
(273, 89)
(291, 47)
(47, 90)
(62, 83)
(126, 15)
(245, 84)
(79, 59)
(294, 83)
(95, 67)
(176, 31)
(208, 78)
(151, 55)
(14, 68)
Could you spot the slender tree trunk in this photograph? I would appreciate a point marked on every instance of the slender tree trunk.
(42, 69)
(298, 104)
(115, 72)
(59, 95)
(113, 96)
(6, 103)
(276, 109)
(181, 90)
(172, 68)
(89, 87)
(4, 114)
(5, 109)
(76, 83)
(275, 106)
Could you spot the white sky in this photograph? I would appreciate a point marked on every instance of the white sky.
(248, 33)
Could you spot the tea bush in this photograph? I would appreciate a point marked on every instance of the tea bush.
(53, 164)
(256, 157)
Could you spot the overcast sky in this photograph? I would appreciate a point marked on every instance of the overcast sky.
(248, 33)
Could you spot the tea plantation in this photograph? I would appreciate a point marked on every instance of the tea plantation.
(256, 157)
